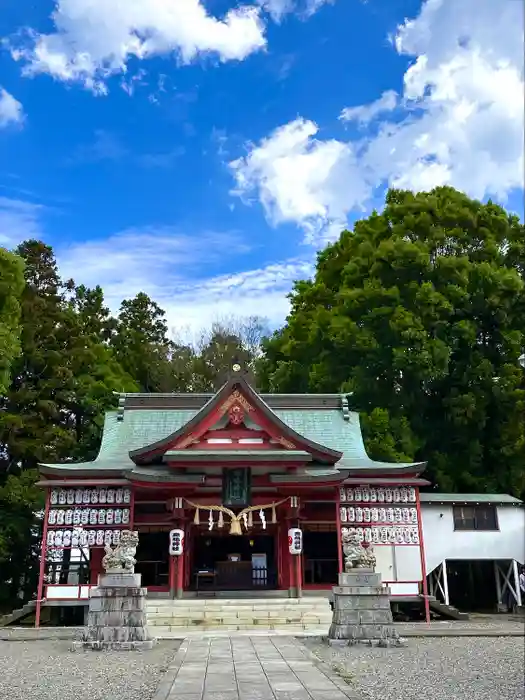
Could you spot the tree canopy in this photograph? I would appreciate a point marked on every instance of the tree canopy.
(418, 313)
(63, 358)
(11, 286)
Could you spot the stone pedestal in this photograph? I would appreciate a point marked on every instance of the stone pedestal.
(362, 610)
(117, 614)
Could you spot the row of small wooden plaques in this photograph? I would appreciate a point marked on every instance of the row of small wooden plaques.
(88, 516)
(377, 494)
(94, 496)
(61, 539)
(385, 534)
(350, 514)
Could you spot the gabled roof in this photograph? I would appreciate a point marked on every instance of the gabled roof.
(148, 453)
(146, 419)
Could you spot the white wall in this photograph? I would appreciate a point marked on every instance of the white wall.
(441, 541)
(398, 563)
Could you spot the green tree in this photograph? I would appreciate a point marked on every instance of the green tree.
(11, 286)
(419, 313)
(141, 343)
(53, 409)
(228, 340)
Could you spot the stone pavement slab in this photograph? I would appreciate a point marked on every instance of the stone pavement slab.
(253, 668)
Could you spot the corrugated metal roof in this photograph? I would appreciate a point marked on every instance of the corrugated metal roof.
(436, 497)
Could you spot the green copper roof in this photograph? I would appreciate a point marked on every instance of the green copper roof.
(141, 427)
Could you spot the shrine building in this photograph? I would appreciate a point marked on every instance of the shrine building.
(231, 476)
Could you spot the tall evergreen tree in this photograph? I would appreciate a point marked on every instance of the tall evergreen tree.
(11, 286)
(141, 342)
(419, 313)
(53, 409)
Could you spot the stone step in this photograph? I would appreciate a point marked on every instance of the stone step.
(251, 614)
(264, 609)
(178, 631)
(257, 608)
(239, 602)
(234, 615)
(253, 622)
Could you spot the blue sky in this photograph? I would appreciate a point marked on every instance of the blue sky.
(203, 151)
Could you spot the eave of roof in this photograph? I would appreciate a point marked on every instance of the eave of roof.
(90, 469)
(366, 467)
(442, 498)
(158, 474)
(309, 477)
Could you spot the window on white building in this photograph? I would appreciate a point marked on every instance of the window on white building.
(476, 517)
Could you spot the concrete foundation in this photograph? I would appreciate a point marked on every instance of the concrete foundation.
(362, 611)
(117, 615)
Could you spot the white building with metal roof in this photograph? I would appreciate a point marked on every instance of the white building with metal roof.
(474, 549)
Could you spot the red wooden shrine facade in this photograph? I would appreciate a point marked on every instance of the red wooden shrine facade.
(214, 467)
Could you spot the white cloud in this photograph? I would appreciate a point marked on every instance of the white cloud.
(279, 8)
(174, 270)
(19, 220)
(94, 39)
(301, 179)
(463, 125)
(364, 114)
(11, 111)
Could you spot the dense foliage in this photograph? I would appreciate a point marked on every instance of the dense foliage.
(62, 358)
(11, 286)
(419, 315)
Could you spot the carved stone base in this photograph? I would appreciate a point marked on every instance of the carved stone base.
(117, 615)
(362, 611)
(118, 578)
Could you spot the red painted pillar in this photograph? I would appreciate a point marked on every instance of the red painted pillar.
(132, 508)
(279, 557)
(338, 526)
(95, 565)
(180, 576)
(43, 556)
(172, 574)
(188, 553)
(422, 553)
(290, 563)
(298, 574)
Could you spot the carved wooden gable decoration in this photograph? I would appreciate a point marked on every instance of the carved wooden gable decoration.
(236, 418)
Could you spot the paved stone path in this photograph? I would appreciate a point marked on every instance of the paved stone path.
(248, 668)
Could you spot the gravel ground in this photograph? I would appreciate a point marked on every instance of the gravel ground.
(434, 669)
(48, 670)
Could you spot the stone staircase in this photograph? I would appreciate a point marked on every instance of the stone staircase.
(177, 618)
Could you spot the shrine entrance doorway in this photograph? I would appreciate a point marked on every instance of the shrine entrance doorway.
(226, 562)
(153, 560)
